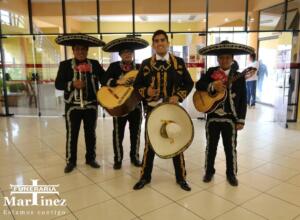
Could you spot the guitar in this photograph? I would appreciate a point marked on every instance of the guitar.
(207, 103)
(122, 99)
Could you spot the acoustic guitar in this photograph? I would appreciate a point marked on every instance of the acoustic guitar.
(122, 99)
(206, 102)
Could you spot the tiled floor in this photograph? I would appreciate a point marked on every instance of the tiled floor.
(269, 175)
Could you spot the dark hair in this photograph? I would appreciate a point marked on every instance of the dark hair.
(82, 45)
(253, 56)
(235, 65)
(123, 50)
(159, 32)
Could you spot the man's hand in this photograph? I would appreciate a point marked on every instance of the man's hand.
(152, 92)
(239, 126)
(78, 84)
(218, 86)
(174, 99)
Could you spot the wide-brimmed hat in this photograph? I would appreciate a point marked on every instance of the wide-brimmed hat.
(79, 39)
(226, 47)
(170, 130)
(130, 43)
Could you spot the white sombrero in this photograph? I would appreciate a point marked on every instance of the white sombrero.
(79, 39)
(170, 130)
(226, 47)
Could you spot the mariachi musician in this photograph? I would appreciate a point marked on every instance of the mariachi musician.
(79, 78)
(115, 76)
(229, 116)
(162, 78)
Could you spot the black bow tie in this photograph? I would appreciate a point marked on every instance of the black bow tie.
(161, 62)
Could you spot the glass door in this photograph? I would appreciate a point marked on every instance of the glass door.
(274, 72)
(19, 64)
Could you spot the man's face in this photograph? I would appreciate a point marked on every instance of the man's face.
(225, 61)
(126, 56)
(160, 44)
(80, 52)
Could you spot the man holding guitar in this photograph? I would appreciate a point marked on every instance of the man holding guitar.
(115, 76)
(228, 116)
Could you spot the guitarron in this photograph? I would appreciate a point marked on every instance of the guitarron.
(122, 99)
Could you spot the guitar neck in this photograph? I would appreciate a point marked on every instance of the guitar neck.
(242, 74)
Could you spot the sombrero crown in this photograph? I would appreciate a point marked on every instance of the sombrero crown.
(226, 47)
(79, 39)
(131, 43)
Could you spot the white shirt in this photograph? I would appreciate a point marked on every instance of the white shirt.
(226, 71)
(254, 64)
(164, 58)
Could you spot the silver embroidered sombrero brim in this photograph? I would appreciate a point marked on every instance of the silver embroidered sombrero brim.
(130, 43)
(226, 47)
(79, 39)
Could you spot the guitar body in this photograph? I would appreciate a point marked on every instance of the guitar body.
(206, 103)
(120, 100)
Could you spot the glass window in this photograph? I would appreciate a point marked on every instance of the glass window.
(151, 15)
(47, 17)
(188, 17)
(14, 17)
(272, 18)
(19, 63)
(229, 14)
(292, 21)
(147, 52)
(81, 16)
(47, 57)
(116, 16)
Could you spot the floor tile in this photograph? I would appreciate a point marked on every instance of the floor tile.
(206, 204)
(111, 210)
(173, 211)
(272, 208)
(143, 201)
(85, 197)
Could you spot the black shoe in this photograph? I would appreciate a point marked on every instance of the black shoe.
(140, 184)
(93, 164)
(184, 185)
(232, 180)
(70, 167)
(136, 163)
(117, 165)
(207, 177)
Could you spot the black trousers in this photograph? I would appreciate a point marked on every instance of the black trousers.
(226, 128)
(74, 115)
(148, 158)
(135, 120)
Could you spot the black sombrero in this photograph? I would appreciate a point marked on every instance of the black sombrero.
(79, 39)
(130, 43)
(226, 47)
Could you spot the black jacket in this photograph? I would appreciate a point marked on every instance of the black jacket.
(172, 78)
(236, 100)
(65, 77)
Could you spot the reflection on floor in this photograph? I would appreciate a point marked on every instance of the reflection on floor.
(269, 175)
